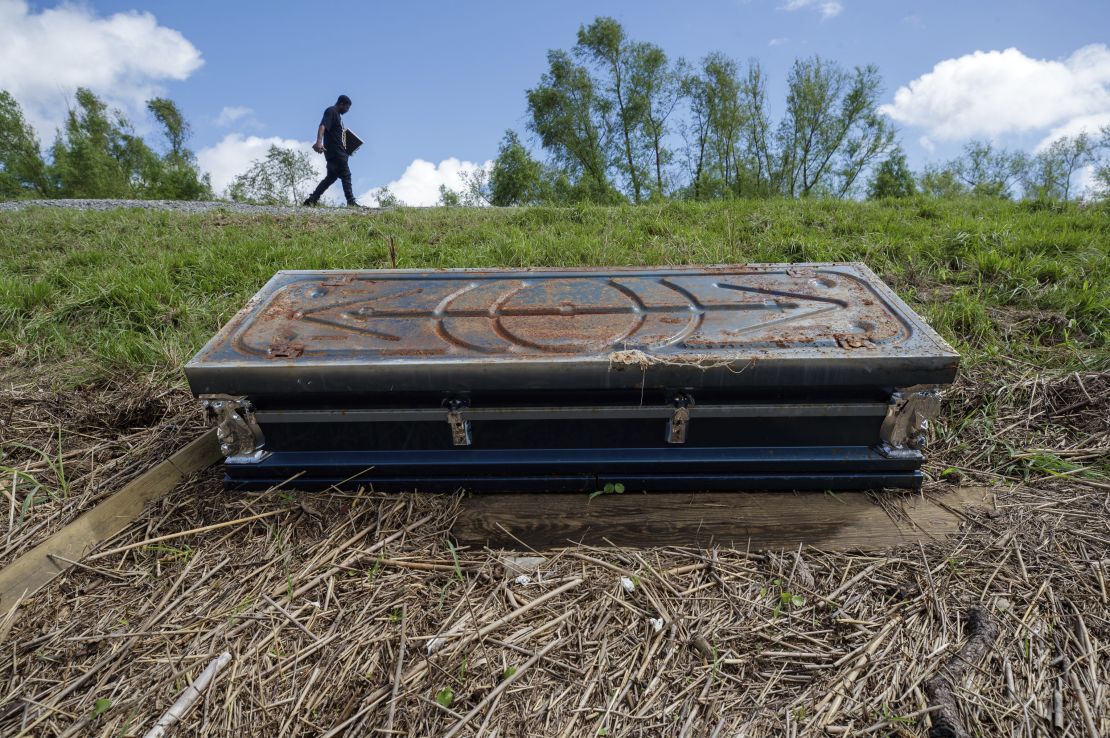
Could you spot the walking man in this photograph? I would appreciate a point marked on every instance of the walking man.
(329, 142)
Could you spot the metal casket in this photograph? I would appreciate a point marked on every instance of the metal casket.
(770, 376)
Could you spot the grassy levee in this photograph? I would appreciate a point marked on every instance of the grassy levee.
(89, 295)
(99, 311)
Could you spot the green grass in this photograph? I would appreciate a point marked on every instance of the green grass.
(89, 295)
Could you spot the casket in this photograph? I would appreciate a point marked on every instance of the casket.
(765, 376)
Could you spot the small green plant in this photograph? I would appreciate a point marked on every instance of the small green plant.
(395, 615)
(785, 598)
(100, 706)
(610, 488)
(508, 672)
(455, 560)
(892, 717)
(171, 553)
(445, 697)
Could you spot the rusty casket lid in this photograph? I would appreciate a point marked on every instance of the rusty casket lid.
(731, 326)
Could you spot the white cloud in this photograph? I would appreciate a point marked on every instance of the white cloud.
(927, 143)
(1089, 124)
(419, 184)
(233, 156)
(46, 55)
(779, 41)
(828, 8)
(229, 115)
(990, 93)
(1086, 183)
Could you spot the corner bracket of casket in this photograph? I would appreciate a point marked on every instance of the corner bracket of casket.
(240, 437)
(906, 425)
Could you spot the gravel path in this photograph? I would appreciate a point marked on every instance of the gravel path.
(181, 206)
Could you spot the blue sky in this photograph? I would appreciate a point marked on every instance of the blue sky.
(440, 81)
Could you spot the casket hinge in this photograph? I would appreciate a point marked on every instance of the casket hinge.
(906, 425)
(240, 437)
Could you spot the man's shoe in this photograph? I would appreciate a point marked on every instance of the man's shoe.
(309, 203)
(355, 204)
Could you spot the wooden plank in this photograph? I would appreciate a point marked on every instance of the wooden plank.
(33, 570)
(755, 520)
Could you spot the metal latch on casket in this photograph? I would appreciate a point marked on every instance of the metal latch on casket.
(680, 419)
(460, 426)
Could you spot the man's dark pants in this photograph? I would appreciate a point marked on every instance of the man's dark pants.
(337, 169)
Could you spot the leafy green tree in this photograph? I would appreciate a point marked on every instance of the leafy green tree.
(725, 118)
(93, 151)
(179, 177)
(386, 198)
(695, 133)
(604, 44)
(283, 177)
(1050, 173)
(1102, 165)
(569, 119)
(942, 182)
(659, 84)
(733, 155)
(476, 187)
(832, 129)
(892, 178)
(990, 172)
(713, 93)
(22, 169)
(764, 173)
(173, 123)
(449, 198)
(516, 178)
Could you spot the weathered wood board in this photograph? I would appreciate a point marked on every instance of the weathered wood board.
(769, 520)
(34, 569)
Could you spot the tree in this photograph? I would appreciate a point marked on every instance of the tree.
(386, 198)
(516, 177)
(892, 178)
(942, 182)
(989, 172)
(659, 84)
(476, 187)
(93, 152)
(725, 118)
(1102, 167)
(172, 121)
(179, 177)
(22, 169)
(281, 178)
(832, 129)
(604, 43)
(448, 198)
(1050, 173)
(759, 154)
(569, 118)
(716, 105)
(696, 132)
(97, 154)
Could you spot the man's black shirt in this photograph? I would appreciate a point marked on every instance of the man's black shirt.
(333, 133)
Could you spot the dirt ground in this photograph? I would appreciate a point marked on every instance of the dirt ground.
(354, 614)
